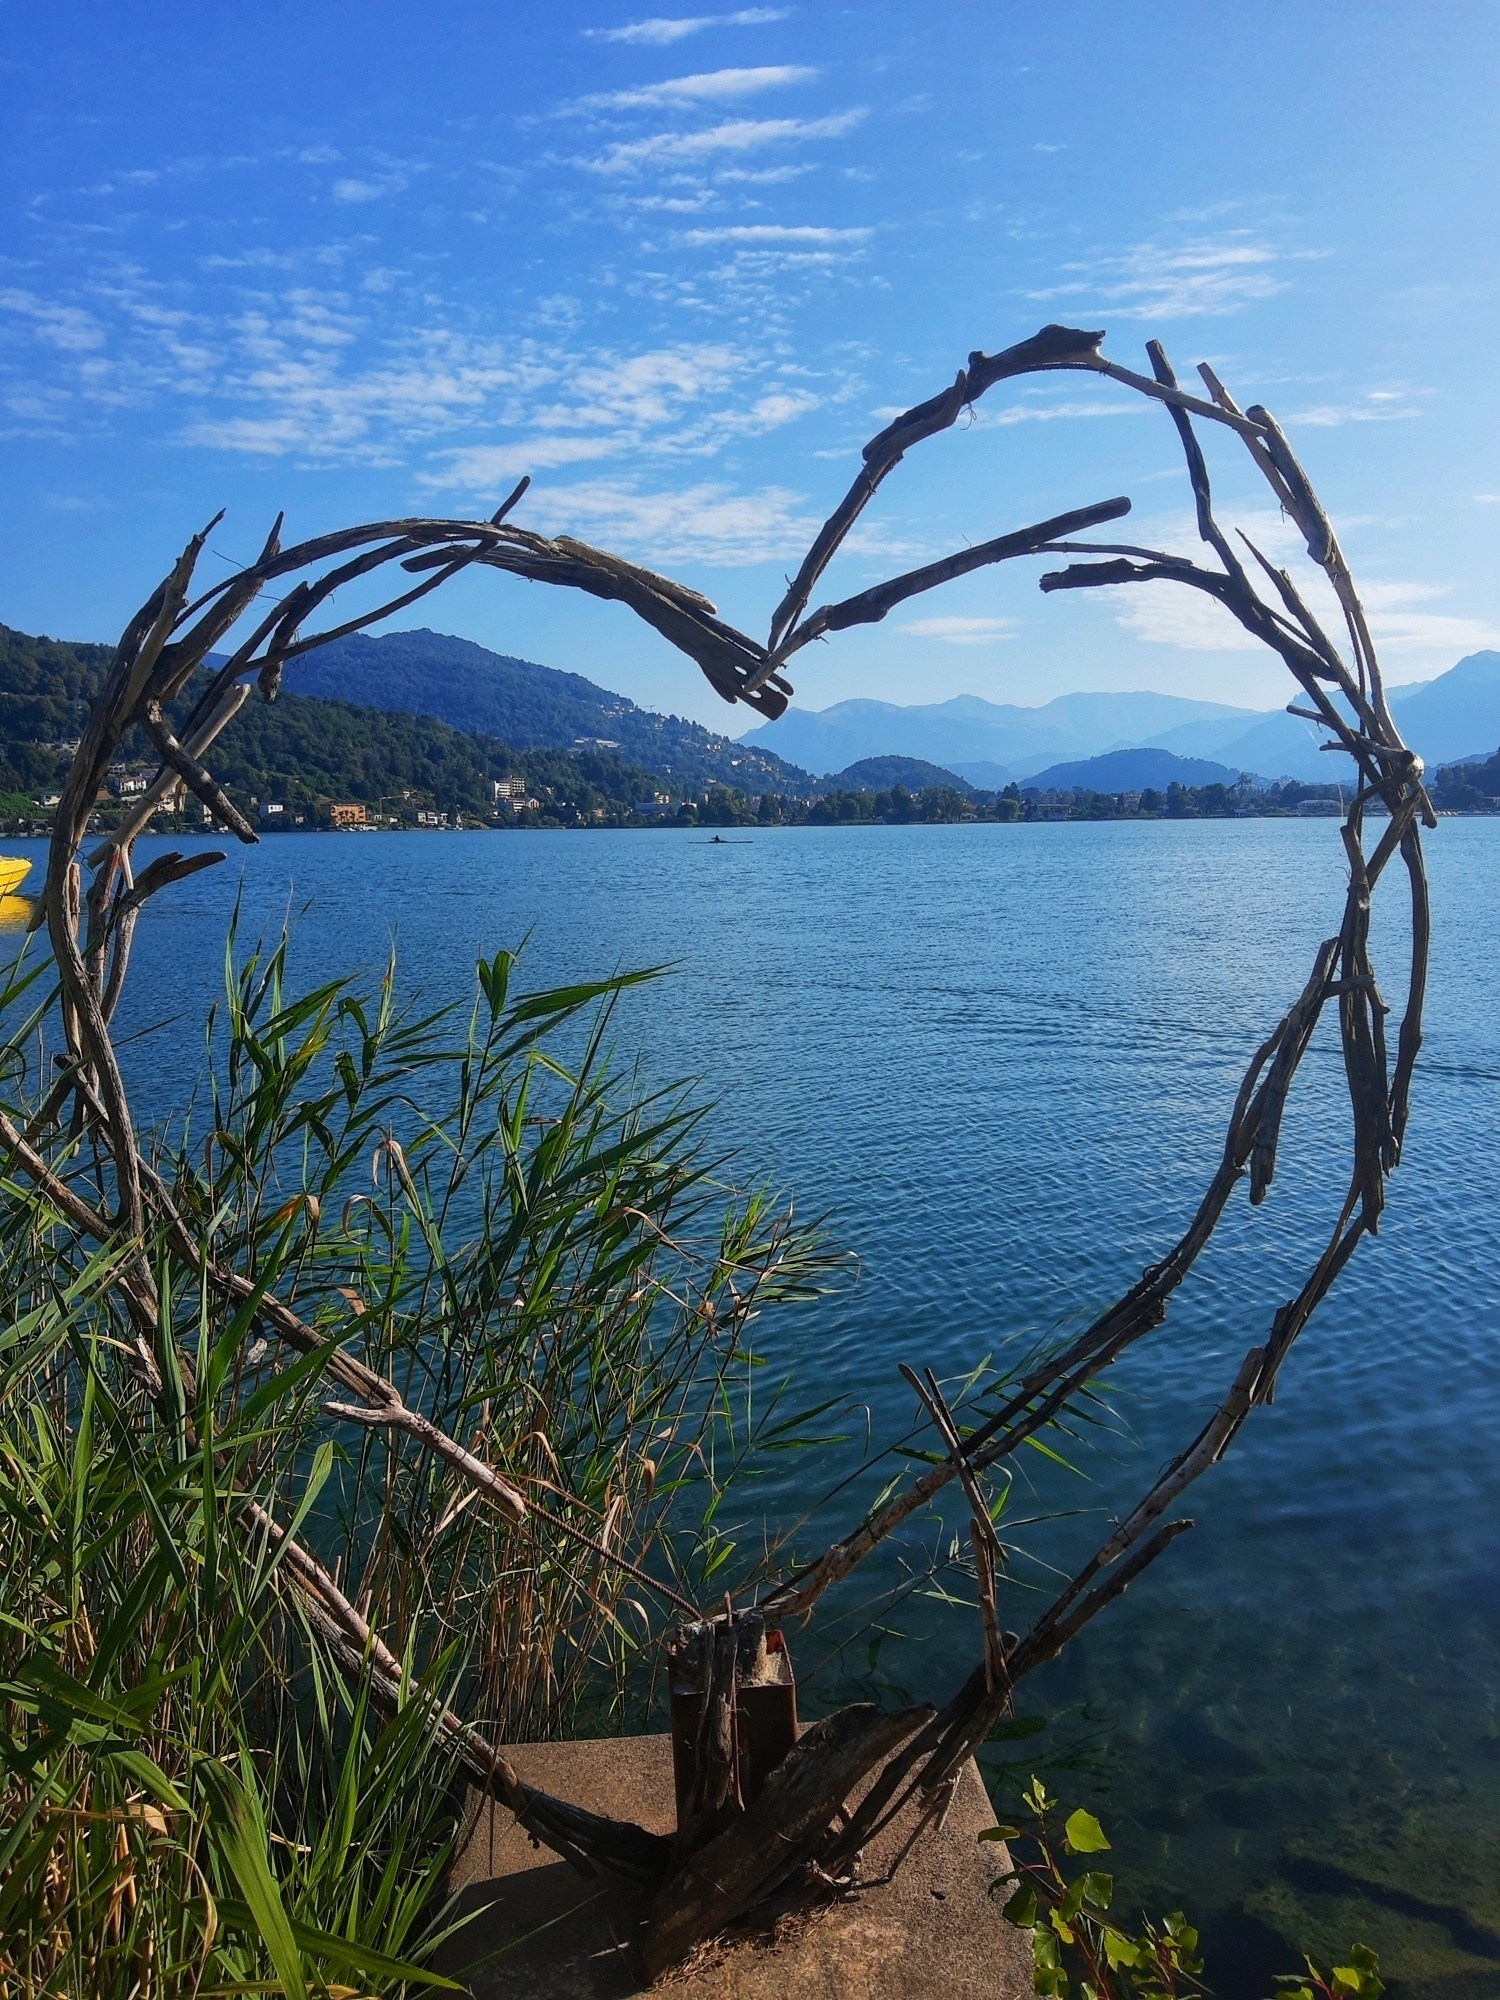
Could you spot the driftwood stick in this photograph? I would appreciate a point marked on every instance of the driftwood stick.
(1053, 347)
(167, 782)
(872, 605)
(1060, 1376)
(200, 782)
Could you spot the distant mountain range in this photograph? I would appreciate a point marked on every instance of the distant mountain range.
(1009, 742)
(532, 707)
(1456, 716)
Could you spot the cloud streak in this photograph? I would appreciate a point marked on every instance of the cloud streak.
(774, 232)
(1193, 281)
(66, 328)
(956, 631)
(709, 522)
(661, 31)
(737, 135)
(711, 87)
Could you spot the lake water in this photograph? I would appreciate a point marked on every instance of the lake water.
(1001, 1059)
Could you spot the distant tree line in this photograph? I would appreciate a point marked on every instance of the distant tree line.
(1469, 788)
(941, 804)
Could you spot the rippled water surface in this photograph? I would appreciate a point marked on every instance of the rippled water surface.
(1001, 1058)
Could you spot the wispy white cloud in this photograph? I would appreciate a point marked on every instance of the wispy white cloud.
(486, 468)
(1168, 614)
(1191, 281)
(370, 187)
(1046, 413)
(738, 135)
(766, 413)
(1433, 633)
(763, 176)
(66, 327)
(956, 631)
(708, 522)
(642, 390)
(711, 87)
(287, 383)
(774, 232)
(1377, 406)
(660, 31)
(667, 404)
(349, 373)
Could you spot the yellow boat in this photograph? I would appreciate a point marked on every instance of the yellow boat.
(12, 873)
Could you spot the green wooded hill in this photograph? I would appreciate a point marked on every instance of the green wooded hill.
(46, 686)
(914, 774)
(534, 708)
(300, 749)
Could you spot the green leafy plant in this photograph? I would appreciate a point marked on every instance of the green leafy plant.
(1077, 1948)
(1358, 1980)
(1081, 1952)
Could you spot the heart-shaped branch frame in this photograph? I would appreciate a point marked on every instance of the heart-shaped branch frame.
(798, 1832)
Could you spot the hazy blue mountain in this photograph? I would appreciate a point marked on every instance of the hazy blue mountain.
(1442, 720)
(1131, 771)
(879, 774)
(1282, 746)
(1209, 738)
(967, 730)
(530, 707)
(1445, 718)
(989, 743)
(985, 776)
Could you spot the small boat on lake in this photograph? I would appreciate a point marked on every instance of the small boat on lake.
(13, 872)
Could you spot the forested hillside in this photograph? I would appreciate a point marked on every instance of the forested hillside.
(534, 707)
(303, 752)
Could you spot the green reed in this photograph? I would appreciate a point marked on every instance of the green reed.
(543, 1256)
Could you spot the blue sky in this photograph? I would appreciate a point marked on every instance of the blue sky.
(364, 260)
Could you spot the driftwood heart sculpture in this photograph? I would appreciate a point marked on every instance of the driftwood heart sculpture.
(735, 1856)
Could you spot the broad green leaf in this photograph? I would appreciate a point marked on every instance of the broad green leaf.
(1119, 1949)
(1084, 1833)
(1360, 1977)
(1021, 1909)
(1097, 1889)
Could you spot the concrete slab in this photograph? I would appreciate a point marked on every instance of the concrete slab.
(545, 1934)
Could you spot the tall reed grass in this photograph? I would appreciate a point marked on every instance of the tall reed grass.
(542, 1255)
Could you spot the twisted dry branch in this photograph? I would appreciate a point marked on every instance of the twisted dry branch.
(165, 647)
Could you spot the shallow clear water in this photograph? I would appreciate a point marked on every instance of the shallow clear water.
(1001, 1058)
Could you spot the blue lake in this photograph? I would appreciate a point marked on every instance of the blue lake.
(1001, 1060)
